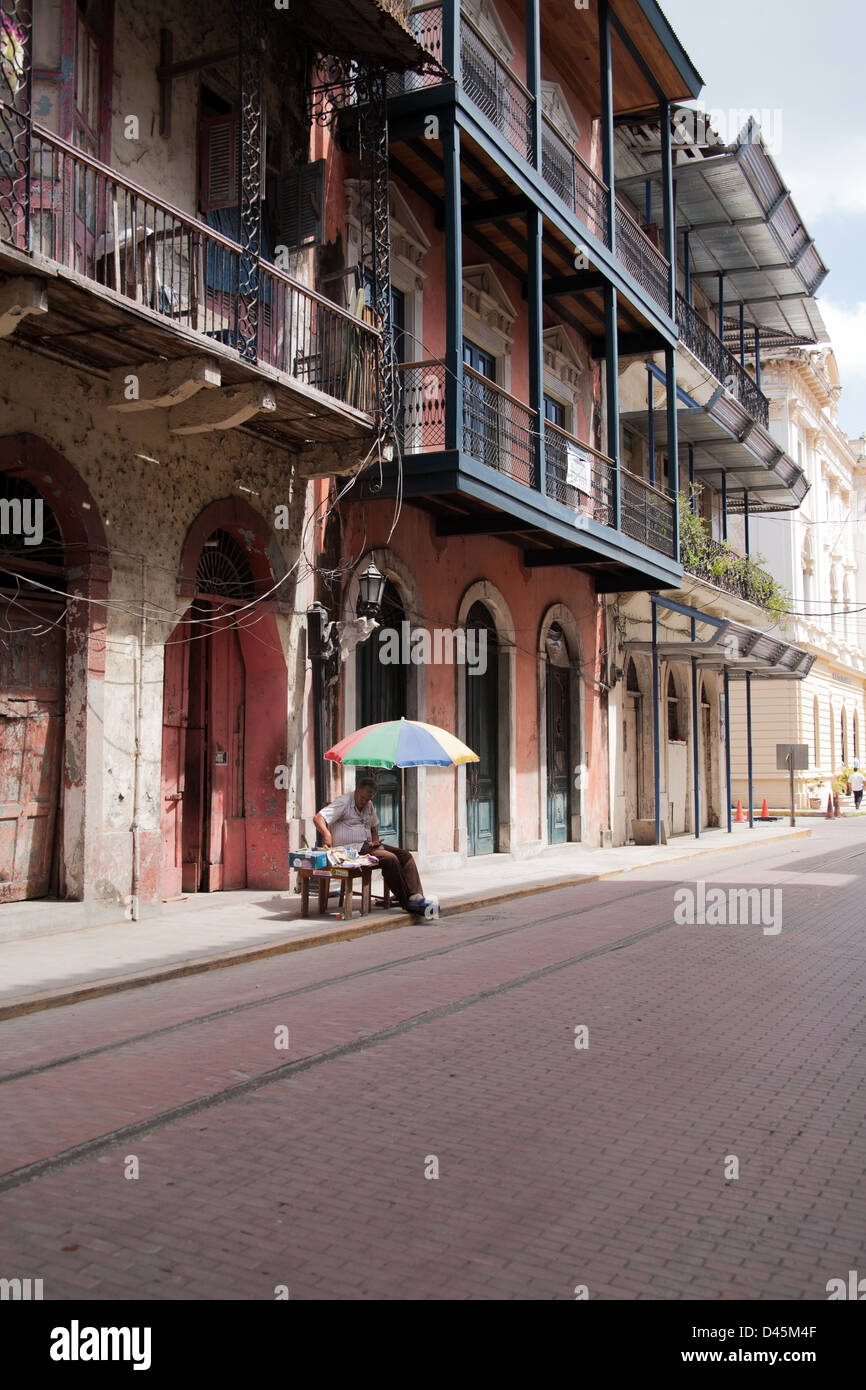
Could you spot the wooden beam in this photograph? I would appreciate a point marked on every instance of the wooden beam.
(220, 410)
(631, 344)
(578, 283)
(484, 526)
(550, 559)
(490, 210)
(161, 384)
(19, 297)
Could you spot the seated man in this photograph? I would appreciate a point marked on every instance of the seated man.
(350, 820)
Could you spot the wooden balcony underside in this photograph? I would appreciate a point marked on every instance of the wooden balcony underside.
(97, 328)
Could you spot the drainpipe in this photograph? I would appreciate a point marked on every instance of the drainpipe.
(135, 886)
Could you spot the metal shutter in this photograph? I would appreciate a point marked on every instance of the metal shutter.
(301, 206)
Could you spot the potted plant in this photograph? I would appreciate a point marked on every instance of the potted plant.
(840, 787)
(813, 789)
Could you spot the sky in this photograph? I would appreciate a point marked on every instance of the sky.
(804, 65)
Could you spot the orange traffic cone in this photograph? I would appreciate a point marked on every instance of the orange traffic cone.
(765, 814)
(739, 817)
(829, 815)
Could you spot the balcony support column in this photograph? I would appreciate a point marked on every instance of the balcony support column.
(696, 748)
(670, 222)
(651, 424)
(451, 37)
(249, 180)
(728, 748)
(746, 520)
(453, 284)
(657, 776)
(724, 506)
(534, 232)
(673, 441)
(687, 261)
(742, 335)
(722, 307)
(757, 357)
(607, 144)
(533, 77)
(749, 747)
(611, 377)
(692, 494)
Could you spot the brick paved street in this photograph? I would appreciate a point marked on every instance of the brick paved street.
(455, 1043)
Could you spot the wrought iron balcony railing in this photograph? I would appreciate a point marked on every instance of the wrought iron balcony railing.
(501, 431)
(648, 515)
(709, 349)
(579, 476)
(510, 107)
(717, 564)
(131, 246)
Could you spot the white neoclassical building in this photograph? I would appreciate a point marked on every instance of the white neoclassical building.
(819, 554)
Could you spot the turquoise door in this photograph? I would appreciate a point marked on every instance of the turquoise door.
(558, 754)
(482, 735)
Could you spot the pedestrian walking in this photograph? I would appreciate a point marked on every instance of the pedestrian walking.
(857, 782)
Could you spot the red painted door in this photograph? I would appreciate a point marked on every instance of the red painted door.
(225, 835)
(31, 742)
(174, 736)
(203, 825)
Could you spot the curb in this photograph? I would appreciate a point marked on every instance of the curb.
(367, 926)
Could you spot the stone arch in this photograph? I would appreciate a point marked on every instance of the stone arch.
(561, 614)
(88, 569)
(483, 591)
(249, 678)
(404, 581)
(256, 535)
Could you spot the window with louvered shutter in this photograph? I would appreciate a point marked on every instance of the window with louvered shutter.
(219, 162)
(301, 206)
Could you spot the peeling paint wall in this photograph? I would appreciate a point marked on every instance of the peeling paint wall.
(149, 487)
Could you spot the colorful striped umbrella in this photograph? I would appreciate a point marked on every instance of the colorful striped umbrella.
(401, 743)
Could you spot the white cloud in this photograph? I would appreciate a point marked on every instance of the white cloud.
(846, 325)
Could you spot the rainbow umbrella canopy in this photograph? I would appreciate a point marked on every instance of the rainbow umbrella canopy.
(401, 743)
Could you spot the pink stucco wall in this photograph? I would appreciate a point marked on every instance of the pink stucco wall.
(443, 570)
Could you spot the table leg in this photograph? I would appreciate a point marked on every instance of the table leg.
(366, 891)
(324, 889)
(305, 895)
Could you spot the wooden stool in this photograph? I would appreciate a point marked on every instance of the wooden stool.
(347, 886)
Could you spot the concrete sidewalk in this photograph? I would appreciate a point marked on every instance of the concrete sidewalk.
(208, 931)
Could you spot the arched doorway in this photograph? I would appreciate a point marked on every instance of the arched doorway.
(632, 750)
(32, 691)
(225, 708)
(559, 741)
(482, 734)
(381, 692)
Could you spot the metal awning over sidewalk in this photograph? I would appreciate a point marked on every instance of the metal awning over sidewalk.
(721, 438)
(738, 652)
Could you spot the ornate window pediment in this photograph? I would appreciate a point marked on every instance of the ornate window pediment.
(560, 358)
(485, 302)
(485, 18)
(557, 110)
(409, 242)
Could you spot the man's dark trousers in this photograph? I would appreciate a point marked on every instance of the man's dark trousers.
(399, 872)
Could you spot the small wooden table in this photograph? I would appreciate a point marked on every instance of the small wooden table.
(347, 879)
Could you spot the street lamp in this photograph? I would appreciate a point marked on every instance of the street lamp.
(371, 590)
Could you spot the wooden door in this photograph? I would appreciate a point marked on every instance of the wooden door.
(558, 754)
(706, 763)
(482, 735)
(224, 832)
(174, 740)
(381, 696)
(31, 743)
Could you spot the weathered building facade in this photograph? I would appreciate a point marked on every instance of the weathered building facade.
(181, 353)
(521, 280)
(818, 555)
